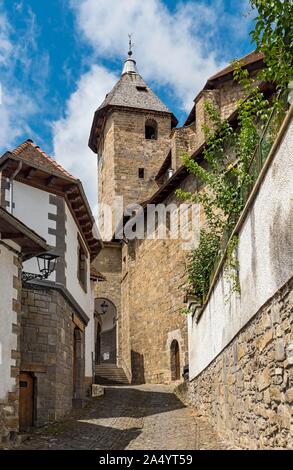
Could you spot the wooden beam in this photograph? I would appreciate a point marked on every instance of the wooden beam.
(74, 198)
(87, 225)
(11, 235)
(81, 211)
(83, 218)
(70, 188)
(51, 180)
(76, 205)
(87, 233)
(28, 174)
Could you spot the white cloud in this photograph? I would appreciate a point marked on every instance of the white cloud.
(71, 133)
(5, 44)
(176, 50)
(15, 104)
(170, 49)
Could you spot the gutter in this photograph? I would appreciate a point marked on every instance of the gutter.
(11, 179)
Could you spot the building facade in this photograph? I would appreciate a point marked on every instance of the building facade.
(140, 152)
(54, 356)
(17, 243)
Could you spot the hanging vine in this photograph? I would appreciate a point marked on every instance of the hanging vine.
(226, 180)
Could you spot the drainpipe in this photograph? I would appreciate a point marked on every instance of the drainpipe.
(11, 185)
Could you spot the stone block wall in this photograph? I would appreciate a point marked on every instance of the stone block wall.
(154, 283)
(125, 149)
(47, 338)
(153, 289)
(184, 140)
(247, 391)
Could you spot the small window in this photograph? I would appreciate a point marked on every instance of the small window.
(82, 266)
(142, 88)
(141, 173)
(151, 129)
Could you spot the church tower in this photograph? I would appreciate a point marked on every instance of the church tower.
(131, 136)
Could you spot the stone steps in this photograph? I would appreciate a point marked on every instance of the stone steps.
(110, 374)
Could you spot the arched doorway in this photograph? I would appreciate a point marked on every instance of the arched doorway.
(106, 334)
(175, 360)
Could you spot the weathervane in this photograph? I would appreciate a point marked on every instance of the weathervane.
(130, 45)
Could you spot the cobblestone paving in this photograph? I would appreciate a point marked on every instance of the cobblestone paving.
(147, 417)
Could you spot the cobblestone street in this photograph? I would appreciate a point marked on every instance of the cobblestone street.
(147, 417)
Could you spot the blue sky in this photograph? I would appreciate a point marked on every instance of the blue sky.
(58, 58)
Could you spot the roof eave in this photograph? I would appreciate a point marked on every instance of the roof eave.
(100, 114)
(70, 182)
(37, 243)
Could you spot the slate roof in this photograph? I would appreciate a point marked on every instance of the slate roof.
(248, 59)
(253, 60)
(130, 91)
(126, 94)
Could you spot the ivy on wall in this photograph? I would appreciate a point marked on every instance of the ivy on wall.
(228, 180)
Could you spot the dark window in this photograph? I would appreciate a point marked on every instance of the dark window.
(141, 88)
(151, 129)
(141, 173)
(82, 266)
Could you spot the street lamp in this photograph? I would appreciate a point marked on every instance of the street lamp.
(46, 265)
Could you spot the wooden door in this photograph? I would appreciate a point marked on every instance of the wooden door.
(177, 362)
(26, 401)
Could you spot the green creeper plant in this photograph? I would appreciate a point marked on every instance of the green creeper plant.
(226, 180)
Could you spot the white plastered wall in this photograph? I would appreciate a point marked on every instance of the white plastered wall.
(32, 206)
(265, 255)
(8, 340)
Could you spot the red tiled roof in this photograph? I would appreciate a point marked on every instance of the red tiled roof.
(62, 183)
(33, 154)
(246, 60)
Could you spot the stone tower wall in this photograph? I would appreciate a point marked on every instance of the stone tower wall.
(125, 150)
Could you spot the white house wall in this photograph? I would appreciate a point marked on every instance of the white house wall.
(265, 255)
(32, 206)
(8, 340)
(71, 265)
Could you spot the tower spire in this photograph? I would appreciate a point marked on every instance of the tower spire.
(130, 45)
(129, 64)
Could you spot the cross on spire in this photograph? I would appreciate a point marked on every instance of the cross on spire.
(129, 64)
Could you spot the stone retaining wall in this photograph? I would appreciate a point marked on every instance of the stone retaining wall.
(247, 391)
